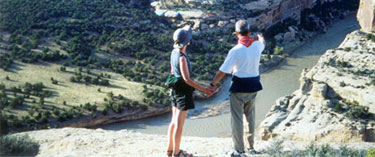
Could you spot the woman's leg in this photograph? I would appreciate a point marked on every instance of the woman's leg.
(171, 129)
(180, 120)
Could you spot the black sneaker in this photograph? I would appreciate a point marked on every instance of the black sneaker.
(238, 154)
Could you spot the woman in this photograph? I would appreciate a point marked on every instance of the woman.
(182, 92)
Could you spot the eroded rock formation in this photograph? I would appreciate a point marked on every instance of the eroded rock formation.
(331, 104)
(366, 15)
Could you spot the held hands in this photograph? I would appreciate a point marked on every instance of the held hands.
(208, 91)
(211, 88)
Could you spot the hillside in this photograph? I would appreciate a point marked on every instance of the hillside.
(68, 61)
(63, 60)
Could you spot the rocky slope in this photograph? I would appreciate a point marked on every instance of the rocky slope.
(335, 102)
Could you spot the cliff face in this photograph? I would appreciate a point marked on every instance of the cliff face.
(277, 11)
(335, 99)
(366, 15)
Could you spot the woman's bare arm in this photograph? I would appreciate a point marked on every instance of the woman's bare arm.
(186, 76)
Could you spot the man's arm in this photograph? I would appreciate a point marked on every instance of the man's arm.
(219, 75)
(261, 39)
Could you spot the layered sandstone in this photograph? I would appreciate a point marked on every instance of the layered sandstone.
(331, 94)
(366, 15)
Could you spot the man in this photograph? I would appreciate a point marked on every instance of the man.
(243, 63)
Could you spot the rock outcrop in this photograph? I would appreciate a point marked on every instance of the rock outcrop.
(335, 102)
(366, 15)
(278, 10)
(97, 142)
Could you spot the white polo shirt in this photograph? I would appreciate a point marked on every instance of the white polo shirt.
(243, 61)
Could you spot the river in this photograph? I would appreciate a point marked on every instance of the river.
(277, 82)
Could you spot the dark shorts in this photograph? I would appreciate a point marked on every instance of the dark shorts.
(182, 99)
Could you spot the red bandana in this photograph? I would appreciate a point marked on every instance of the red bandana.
(246, 40)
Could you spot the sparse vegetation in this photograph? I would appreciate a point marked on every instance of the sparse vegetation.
(352, 110)
(315, 150)
(371, 37)
(359, 112)
(347, 49)
(278, 50)
(18, 145)
(371, 152)
(342, 84)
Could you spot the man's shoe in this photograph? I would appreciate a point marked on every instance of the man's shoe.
(253, 152)
(238, 154)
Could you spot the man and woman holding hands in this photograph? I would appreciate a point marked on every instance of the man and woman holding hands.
(242, 62)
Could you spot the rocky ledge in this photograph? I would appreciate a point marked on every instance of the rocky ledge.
(97, 142)
(335, 102)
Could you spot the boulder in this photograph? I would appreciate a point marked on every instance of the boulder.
(204, 26)
(319, 90)
(196, 25)
(279, 37)
(222, 23)
(288, 36)
(366, 15)
(292, 30)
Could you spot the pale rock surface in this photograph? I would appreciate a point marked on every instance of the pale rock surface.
(308, 114)
(366, 15)
(78, 142)
(212, 25)
(288, 36)
(196, 25)
(222, 23)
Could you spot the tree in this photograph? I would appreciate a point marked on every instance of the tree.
(3, 124)
(16, 102)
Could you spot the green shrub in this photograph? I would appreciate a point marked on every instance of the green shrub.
(343, 64)
(278, 50)
(369, 36)
(338, 107)
(359, 112)
(371, 152)
(342, 84)
(347, 49)
(18, 145)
